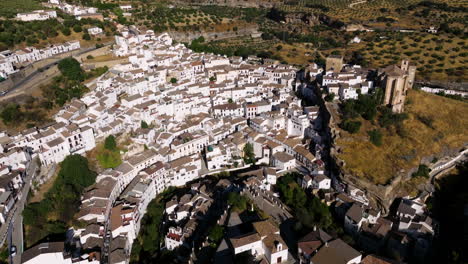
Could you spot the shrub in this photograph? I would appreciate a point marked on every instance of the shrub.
(351, 126)
(70, 68)
(426, 120)
(110, 143)
(423, 171)
(388, 118)
(329, 97)
(375, 137)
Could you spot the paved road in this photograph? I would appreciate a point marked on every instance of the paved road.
(55, 61)
(448, 165)
(13, 227)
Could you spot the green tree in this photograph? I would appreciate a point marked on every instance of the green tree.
(375, 137)
(351, 126)
(77, 28)
(66, 31)
(216, 234)
(86, 36)
(110, 143)
(249, 155)
(11, 114)
(309, 210)
(329, 97)
(61, 201)
(238, 202)
(173, 80)
(423, 171)
(144, 124)
(70, 68)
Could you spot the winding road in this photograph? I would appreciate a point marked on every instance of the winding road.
(36, 74)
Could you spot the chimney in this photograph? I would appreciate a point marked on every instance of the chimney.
(315, 228)
(326, 244)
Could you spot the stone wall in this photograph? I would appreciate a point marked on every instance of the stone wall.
(381, 195)
(95, 53)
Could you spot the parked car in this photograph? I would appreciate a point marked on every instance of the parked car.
(13, 251)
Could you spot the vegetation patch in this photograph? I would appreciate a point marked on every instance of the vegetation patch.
(145, 248)
(238, 203)
(108, 154)
(309, 210)
(43, 33)
(52, 215)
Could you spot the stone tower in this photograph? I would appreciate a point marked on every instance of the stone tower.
(397, 80)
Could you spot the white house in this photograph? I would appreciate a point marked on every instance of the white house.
(37, 15)
(52, 253)
(283, 161)
(321, 182)
(174, 238)
(265, 241)
(126, 7)
(95, 31)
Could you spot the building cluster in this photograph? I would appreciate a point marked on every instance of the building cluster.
(184, 214)
(318, 247)
(345, 81)
(185, 114)
(37, 15)
(415, 230)
(51, 252)
(10, 60)
(78, 11)
(260, 239)
(406, 233)
(14, 162)
(445, 91)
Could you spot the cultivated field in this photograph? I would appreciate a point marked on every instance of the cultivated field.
(438, 57)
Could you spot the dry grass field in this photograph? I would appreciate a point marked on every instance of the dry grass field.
(380, 164)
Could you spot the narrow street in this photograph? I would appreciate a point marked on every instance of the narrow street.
(12, 230)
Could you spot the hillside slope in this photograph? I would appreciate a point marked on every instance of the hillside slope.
(436, 124)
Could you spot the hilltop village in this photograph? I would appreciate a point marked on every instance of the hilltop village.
(190, 115)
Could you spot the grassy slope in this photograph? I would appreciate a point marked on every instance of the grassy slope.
(380, 164)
